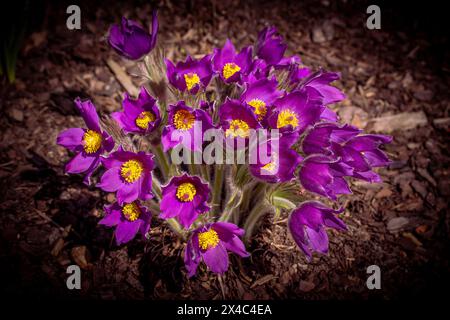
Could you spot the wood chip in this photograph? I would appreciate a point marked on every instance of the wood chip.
(122, 77)
(401, 121)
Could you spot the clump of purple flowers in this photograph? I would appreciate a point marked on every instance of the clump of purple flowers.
(215, 207)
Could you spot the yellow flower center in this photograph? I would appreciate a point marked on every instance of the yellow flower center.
(186, 192)
(131, 211)
(272, 165)
(238, 128)
(229, 69)
(208, 239)
(191, 80)
(131, 170)
(259, 106)
(144, 119)
(183, 120)
(92, 141)
(287, 117)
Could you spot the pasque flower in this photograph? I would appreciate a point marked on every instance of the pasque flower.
(260, 95)
(325, 175)
(190, 75)
(132, 41)
(307, 226)
(187, 124)
(229, 64)
(128, 219)
(210, 243)
(320, 81)
(139, 115)
(283, 160)
(88, 144)
(361, 152)
(270, 46)
(237, 120)
(296, 111)
(184, 197)
(128, 173)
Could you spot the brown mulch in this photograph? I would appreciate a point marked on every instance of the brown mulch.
(49, 220)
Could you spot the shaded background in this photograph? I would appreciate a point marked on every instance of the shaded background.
(48, 220)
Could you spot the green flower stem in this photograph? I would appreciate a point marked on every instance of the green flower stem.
(205, 172)
(176, 227)
(156, 187)
(284, 203)
(217, 188)
(254, 217)
(163, 161)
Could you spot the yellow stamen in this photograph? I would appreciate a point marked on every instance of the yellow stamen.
(183, 120)
(229, 69)
(260, 108)
(131, 170)
(131, 211)
(238, 128)
(287, 117)
(144, 119)
(208, 239)
(191, 80)
(92, 141)
(186, 192)
(272, 165)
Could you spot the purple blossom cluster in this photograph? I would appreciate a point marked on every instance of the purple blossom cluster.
(257, 87)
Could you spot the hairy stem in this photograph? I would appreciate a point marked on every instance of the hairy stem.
(217, 188)
(162, 159)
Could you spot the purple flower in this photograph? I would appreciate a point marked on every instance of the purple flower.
(325, 176)
(139, 115)
(260, 95)
(184, 197)
(320, 81)
(190, 75)
(283, 161)
(210, 243)
(231, 66)
(289, 63)
(128, 173)
(324, 137)
(307, 225)
(361, 152)
(237, 120)
(128, 219)
(270, 46)
(188, 124)
(299, 73)
(130, 40)
(88, 144)
(295, 111)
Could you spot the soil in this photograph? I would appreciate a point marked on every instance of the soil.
(49, 220)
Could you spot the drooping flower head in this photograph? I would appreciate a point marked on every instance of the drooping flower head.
(210, 244)
(139, 115)
(282, 159)
(128, 219)
(361, 152)
(237, 120)
(320, 81)
(88, 144)
(260, 95)
(185, 124)
(128, 173)
(295, 111)
(270, 46)
(307, 226)
(324, 175)
(190, 75)
(132, 41)
(184, 197)
(231, 65)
